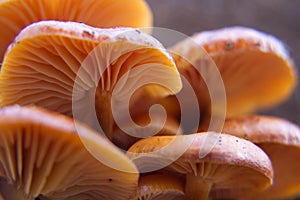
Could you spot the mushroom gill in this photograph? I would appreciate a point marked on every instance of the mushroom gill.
(72, 67)
(43, 156)
(256, 67)
(98, 13)
(233, 168)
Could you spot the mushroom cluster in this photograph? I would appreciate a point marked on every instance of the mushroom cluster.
(79, 86)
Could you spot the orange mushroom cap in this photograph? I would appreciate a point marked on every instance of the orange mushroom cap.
(157, 186)
(17, 14)
(280, 139)
(72, 67)
(233, 167)
(256, 67)
(43, 156)
(126, 136)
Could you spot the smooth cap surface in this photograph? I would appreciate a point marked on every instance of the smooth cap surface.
(233, 167)
(280, 139)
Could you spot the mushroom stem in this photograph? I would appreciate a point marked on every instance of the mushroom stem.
(9, 191)
(196, 188)
(104, 112)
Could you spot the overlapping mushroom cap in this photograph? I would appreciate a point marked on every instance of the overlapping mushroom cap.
(234, 167)
(256, 68)
(158, 186)
(91, 73)
(67, 65)
(16, 14)
(280, 139)
(126, 135)
(43, 156)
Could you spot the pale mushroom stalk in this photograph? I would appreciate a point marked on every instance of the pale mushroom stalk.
(197, 189)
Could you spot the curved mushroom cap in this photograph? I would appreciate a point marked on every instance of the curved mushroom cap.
(232, 168)
(127, 135)
(280, 139)
(54, 64)
(160, 187)
(256, 68)
(42, 156)
(98, 13)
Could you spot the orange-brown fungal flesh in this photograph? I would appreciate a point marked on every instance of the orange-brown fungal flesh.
(97, 13)
(280, 139)
(59, 64)
(256, 68)
(42, 156)
(234, 167)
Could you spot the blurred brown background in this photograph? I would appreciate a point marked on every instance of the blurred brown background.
(278, 17)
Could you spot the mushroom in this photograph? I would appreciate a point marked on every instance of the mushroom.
(98, 13)
(280, 139)
(255, 67)
(45, 155)
(85, 72)
(157, 186)
(234, 167)
(125, 136)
